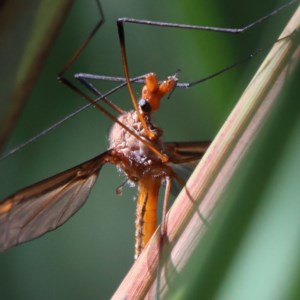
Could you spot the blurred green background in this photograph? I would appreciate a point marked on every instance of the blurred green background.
(91, 253)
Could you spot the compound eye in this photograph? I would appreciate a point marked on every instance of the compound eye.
(145, 106)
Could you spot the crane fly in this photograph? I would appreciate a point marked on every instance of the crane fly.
(135, 147)
(141, 154)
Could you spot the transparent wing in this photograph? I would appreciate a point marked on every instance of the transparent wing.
(183, 152)
(46, 205)
(183, 159)
(184, 171)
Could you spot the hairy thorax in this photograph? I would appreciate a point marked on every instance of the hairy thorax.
(136, 159)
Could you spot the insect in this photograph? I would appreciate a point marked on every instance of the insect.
(134, 147)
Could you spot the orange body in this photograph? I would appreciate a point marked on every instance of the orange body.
(146, 212)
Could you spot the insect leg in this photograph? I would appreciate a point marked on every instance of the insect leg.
(84, 79)
(121, 32)
(163, 228)
(85, 43)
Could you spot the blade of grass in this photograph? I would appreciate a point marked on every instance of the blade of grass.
(254, 233)
(185, 220)
(27, 33)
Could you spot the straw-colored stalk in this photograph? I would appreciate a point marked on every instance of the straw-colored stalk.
(198, 200)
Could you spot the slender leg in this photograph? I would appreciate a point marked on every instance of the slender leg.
(163, 228)
(121, 22)
(121, 33)
(85, 43)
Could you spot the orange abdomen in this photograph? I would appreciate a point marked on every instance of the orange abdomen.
(146, 212)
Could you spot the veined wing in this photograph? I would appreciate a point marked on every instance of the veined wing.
(183, 159)
(47, 204)
(182, 152)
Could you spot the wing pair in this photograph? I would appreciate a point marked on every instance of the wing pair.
(46, 205)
